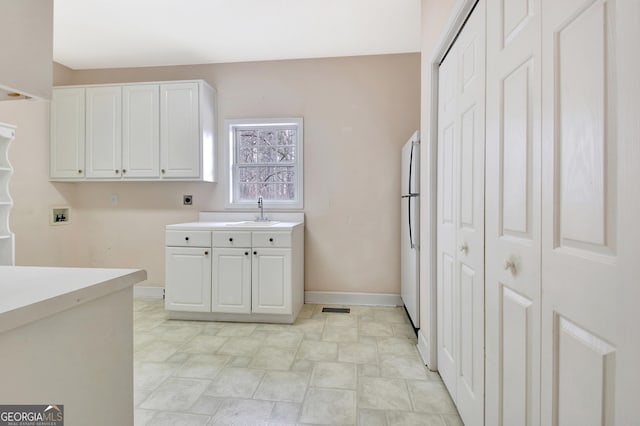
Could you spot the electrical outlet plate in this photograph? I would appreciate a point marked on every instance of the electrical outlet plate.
(187, 200)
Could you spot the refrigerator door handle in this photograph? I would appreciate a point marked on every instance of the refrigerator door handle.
(413, 246)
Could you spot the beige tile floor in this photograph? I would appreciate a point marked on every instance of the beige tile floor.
(360, 368)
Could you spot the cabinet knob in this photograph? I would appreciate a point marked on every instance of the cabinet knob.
(206, 253)
(255, 252)
(80, 171)
(230, 240)
(162, 171)
(270, 240)
(117, 171)
(124, 171)
(246, 253)
(186, 238)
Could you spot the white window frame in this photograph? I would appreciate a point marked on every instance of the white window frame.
(230, 125)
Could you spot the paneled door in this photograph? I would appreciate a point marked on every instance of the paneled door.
(590, 212)
(512, 222)
(460, 216)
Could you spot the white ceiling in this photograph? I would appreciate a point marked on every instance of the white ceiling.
(136, 33)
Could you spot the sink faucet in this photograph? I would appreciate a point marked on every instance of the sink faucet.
(261, 207)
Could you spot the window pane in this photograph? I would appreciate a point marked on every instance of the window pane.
(266, 146)
(273, 183)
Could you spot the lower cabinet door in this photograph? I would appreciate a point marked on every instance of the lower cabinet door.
(231, 280)
(271, 273)
(188, 279)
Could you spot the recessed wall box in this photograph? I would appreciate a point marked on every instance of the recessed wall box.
(59, 215)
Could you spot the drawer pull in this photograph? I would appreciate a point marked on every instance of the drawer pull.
(206, 253)
(230, 240)
(270, 240)
(186, 238)
(255, 252)
(246, 253)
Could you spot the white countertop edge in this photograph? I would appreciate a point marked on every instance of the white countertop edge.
(58, 296)
(227, 226)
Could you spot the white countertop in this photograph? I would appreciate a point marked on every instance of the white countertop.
(229, 226)
(218, 221)
(29, 293)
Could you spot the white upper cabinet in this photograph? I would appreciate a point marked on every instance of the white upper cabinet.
(66, 155)
(104, 132)
(143, 131)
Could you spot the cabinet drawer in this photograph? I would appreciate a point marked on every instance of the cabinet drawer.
(231, 239)
(271, 239)
(188, 238)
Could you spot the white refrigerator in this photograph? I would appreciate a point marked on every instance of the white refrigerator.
(410, 228)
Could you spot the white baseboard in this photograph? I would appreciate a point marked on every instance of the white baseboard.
(344, 298)
(147, 291)
(425, 352)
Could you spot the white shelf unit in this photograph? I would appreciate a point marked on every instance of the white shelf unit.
(7, 243)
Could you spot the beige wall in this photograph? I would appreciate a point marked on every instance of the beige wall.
(357, 113)
(26, 32)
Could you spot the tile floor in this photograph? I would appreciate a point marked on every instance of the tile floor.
(361, 368)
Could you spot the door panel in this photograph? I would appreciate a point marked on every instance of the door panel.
(231, 280)
(141, 131)
(588, 262)
(104, 132)
(188, 279)
(512, 222)
(460, 245)
(271, 275)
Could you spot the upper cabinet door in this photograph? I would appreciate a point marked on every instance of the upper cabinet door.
(67, 134)
(141, 131)
(104, 132)
(179, 130)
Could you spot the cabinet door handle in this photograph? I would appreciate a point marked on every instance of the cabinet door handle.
(162, 171)
(246, 253)
(186, 238)
(255, 252)
(230, 240)
(270, 240)
(80, 171)
(124, 171)
(117, 171)
(206, 253)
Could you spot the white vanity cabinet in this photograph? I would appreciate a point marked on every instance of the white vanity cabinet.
(255, 275)
(188, 271)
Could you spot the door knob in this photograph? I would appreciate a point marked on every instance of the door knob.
(464, 248)
(510, 265)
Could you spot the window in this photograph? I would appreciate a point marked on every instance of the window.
(265, 159)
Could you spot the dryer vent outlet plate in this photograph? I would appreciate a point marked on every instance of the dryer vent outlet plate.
(187, 200)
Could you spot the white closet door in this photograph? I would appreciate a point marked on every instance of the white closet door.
(513, 213)
(460, 276)
(590, 211)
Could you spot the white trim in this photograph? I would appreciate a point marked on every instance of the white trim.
(148, 291)
(424, 350)
(429, 352)
(344, 298)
